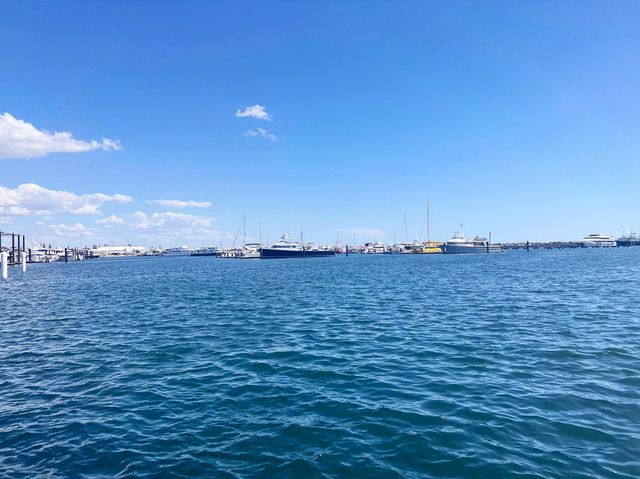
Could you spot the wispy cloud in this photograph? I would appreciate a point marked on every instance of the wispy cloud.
(19, 139)
(180, 203)
(261, 133)
(169, 219)
(33, 199)
(74, 230)
(110, 220)
(258, 112)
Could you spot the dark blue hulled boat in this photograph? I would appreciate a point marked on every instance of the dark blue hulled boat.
(291, 249)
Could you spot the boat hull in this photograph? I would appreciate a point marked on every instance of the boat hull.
(274, 253)
(600, 244)
(470, 249)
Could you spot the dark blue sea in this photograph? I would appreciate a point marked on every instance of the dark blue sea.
(512, 365)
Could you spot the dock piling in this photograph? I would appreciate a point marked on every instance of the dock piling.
(5, 264)
(24, 261)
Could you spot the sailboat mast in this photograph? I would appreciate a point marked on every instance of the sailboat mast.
(244, 230)
(428, 220)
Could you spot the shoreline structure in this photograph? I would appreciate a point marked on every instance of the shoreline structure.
(16, 252)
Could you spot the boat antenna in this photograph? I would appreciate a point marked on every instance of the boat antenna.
(406, 233)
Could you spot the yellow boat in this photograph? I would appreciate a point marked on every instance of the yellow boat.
(431, 247)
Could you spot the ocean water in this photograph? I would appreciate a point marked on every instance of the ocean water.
(513, 365)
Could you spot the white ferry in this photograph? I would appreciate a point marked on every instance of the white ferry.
(597, 240)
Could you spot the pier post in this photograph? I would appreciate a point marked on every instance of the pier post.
(13, 248)
(346, 250)
(66, 255)
(24, 261)
(527, 245)
(5, 266)
(29, 255)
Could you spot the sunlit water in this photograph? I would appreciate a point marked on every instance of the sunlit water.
(484, 366)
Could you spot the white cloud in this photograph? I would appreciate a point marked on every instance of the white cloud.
(172, 228)
(19, 139)
(74, 230)
(110, 220)
(33, 199)
(169, 219)
(256, 111)
(262, 133)
(180, 203)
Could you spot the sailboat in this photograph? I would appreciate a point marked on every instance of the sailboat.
(430, 247)
(249, 250)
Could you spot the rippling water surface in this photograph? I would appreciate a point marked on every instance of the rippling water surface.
(489, 366)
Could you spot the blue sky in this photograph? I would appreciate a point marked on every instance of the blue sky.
(519, 118)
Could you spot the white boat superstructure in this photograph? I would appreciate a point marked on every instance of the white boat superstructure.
(598, 240)
(375, 248)
(403, 247)
(250, 251)
(285, 244)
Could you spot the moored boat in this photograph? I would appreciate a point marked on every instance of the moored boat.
(598, 240)
(292, 249)
(631, 240)
(206, 251)
(458, 244)
(179, 251)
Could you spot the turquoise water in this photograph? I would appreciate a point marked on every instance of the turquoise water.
(489, 366)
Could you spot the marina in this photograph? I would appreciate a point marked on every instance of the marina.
(14, 251)
(319, 240)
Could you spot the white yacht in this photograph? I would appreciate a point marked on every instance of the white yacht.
(459, 244)
(403, 248)
(42, 254)
(179, 251)
(250, 251)
(375, 248)
(597, 240)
